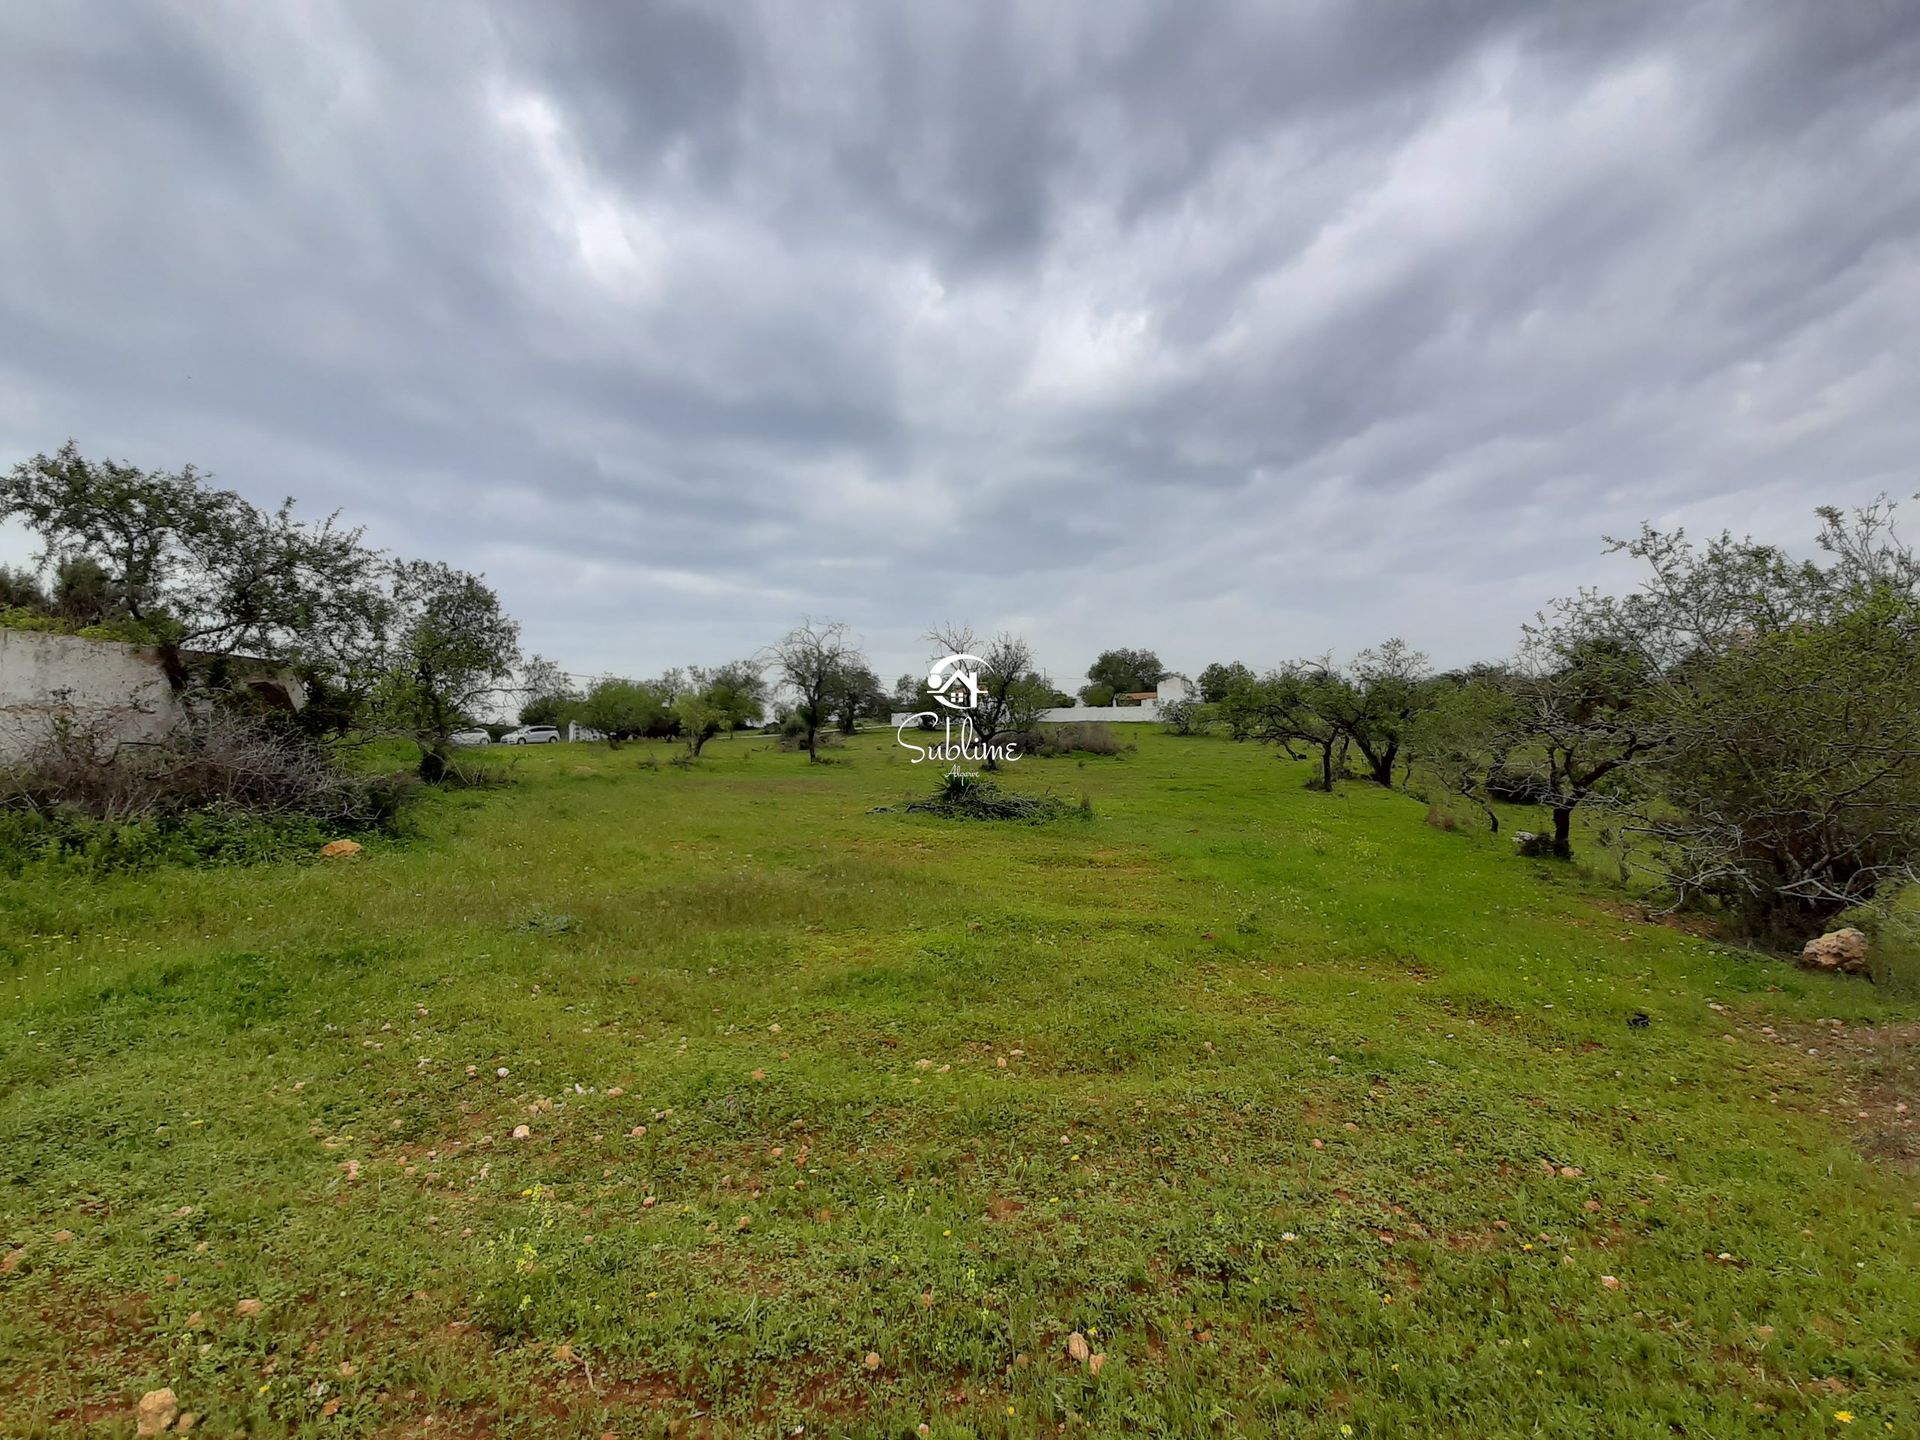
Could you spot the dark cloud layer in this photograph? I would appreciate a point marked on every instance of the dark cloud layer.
(1235, 330)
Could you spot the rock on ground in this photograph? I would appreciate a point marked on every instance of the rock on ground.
(1842, 950)
(156, 1412)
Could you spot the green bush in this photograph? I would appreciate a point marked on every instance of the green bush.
(1892, 927)
(78, 844)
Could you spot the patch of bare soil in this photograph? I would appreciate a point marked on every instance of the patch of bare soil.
(1880, 1098)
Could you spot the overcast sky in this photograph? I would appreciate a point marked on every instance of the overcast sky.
(1236, 331)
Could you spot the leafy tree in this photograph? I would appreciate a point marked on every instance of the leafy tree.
(1096, 696)
(203, 571)
(1580, 713)
(551, 697)
(727, 697)
(83, 592)
(1376, 701)
(453, 651)
(1218, 679)
(1125, 672)
(1289, 707)
(811, 659)
(1460, 737)
(20, 590)
(1777, 712)
(738, 689)
(911, 695)
(856, 694)
(623, 710)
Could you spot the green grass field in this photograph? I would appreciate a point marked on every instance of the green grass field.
(1311, 1118)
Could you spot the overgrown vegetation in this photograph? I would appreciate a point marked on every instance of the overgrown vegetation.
(1748, 723)
(227, 789)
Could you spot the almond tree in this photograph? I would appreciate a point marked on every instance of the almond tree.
(811, 659)
(1013, 693)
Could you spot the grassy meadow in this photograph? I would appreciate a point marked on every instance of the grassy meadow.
(1309, 1117)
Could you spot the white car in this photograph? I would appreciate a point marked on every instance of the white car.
(532, 735)
(471, 737)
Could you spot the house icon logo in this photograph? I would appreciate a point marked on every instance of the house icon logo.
(954, 681)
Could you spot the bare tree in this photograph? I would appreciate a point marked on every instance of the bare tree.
(1012, 692)
(810, 660)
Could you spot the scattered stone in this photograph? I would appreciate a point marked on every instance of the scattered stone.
(1843, 951)
(156, 1411)
(744, 1222)
(63, 1237)
(1077, 1348)
(1610, 1282)
(1094, 1362)
(249, 1308)
(522, 1132)
(502, 1072)
(340, 849)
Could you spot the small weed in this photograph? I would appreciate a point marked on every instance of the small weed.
(542, 921)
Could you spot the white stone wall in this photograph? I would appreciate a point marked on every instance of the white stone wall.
(45, 678)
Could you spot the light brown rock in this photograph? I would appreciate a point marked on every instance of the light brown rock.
(340, 849)
(1843, 950)
(156, 1411)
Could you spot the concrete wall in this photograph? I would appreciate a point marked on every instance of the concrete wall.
(45, 678)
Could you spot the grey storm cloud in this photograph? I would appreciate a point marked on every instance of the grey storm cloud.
(1233, 330)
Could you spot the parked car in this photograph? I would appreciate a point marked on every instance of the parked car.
(532, 735)
(471, 737)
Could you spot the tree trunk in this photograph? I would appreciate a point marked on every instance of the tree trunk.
(1563, 832)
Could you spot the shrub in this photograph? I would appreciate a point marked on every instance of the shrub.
(968, 795)
(1891, 924)
(227, 790)
(1074, 738)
